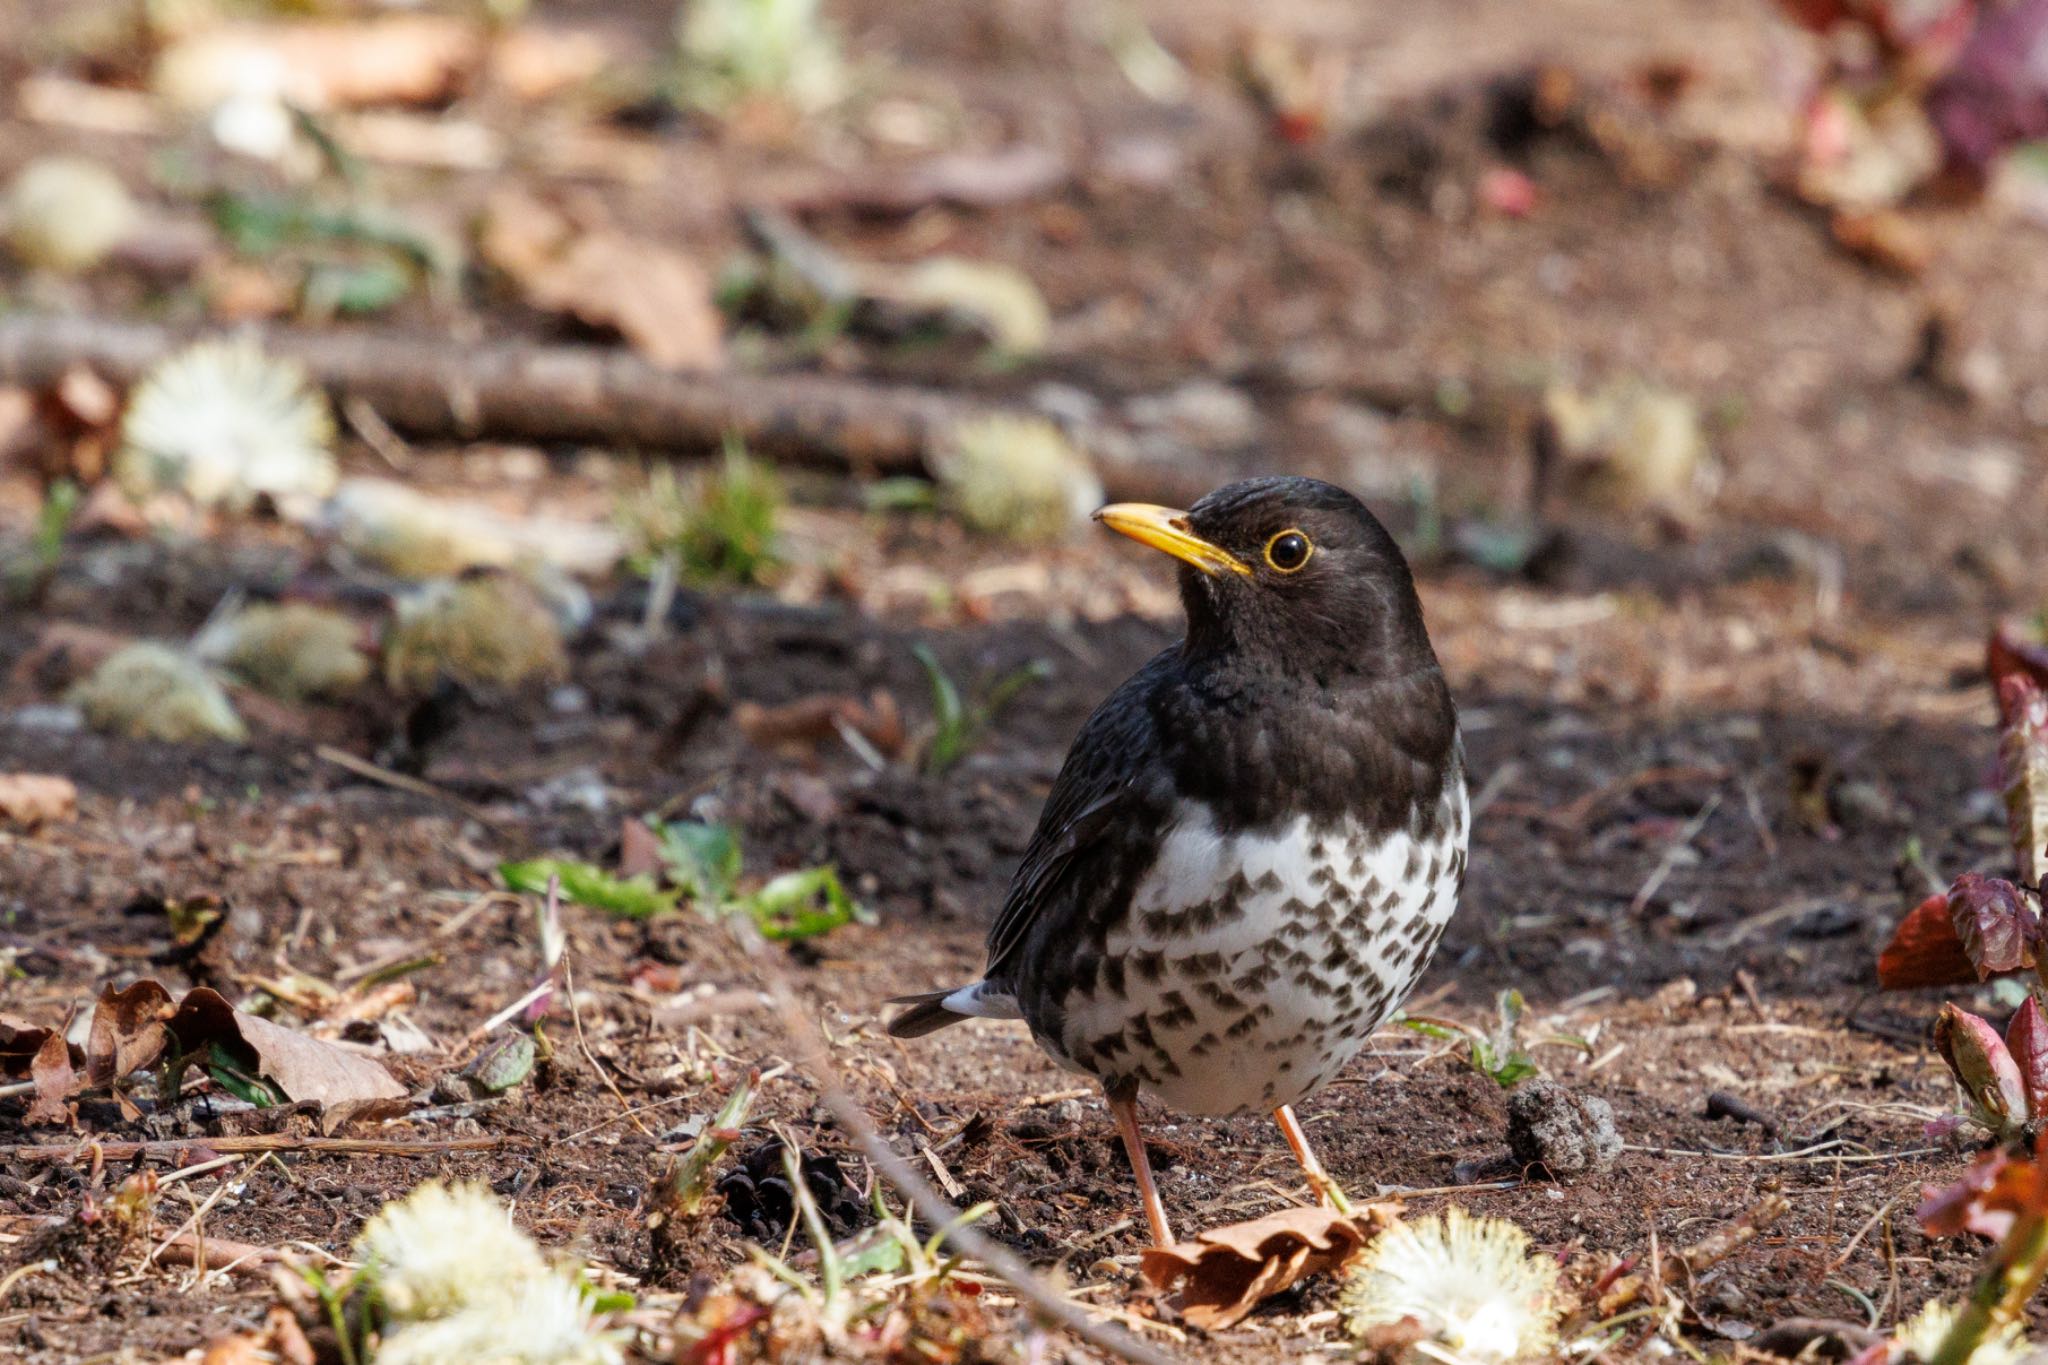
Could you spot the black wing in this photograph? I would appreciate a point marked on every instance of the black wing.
(1109, 781)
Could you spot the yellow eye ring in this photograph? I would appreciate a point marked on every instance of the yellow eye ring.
(1289, 551)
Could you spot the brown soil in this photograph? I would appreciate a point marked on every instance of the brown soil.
(1702, 756)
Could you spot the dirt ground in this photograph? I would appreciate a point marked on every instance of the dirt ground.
(1701, 756)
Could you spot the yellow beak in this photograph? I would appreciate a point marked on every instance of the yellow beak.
(1165, 528)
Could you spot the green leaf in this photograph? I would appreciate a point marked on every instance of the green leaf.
(949, 715)
(1431, 1028)
(703, 860)
(803, 905)
(228, 1074)
(631, 897)
(502, 1064)
(345, 289)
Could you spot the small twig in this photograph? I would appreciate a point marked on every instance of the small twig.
(1813, 1153)
(576, 1018)
(811, 1051)
(173, 1177)
(253, 1142)
(212, 1253)
(191, 1224)
(507, 1014)
(363, 768)
(376, 433)
(1669, 862)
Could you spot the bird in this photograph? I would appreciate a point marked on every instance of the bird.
(1254, 843)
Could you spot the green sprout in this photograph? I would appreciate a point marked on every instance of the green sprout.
(27, 576)
(1496, 1055)
(735, 51)
(717, 527)
(701, 863)
(959, 723)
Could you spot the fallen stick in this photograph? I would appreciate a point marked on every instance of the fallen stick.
(215, 1253)
(807, 1041)
(254, 1142)
(520, 391)
(429, 387)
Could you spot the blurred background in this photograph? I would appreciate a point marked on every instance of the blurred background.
(438, 435)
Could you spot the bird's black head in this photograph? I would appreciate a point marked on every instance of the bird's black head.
(1293, 574)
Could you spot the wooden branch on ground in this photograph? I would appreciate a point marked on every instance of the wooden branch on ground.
(216, 1253)
(518, 391)
(253, 1142)
(812, 1052)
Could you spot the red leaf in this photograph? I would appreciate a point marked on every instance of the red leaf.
(1998, 929)
(2026, 1038)
(2023, 770)
(2009, 656)
(1995, 1187)
(1978, 1059)
(1925, 951)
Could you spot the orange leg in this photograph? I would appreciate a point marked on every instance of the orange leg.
(1123, 1107)
(1327, 1191)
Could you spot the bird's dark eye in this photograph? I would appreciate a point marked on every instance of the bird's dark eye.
(1288, 551)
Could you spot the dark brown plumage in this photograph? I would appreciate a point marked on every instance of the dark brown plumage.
(1254, 843)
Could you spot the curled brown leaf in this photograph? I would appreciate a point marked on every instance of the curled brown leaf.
(1226, 1272)
(32, 799)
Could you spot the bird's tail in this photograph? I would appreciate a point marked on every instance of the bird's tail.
(927, 1014)
(934, 1010)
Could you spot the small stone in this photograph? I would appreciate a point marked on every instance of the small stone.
(1564, 1133)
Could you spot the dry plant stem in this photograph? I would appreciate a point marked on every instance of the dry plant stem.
(2017, 1266)
(255, 1142)
(605, 396)
(1123, 1107)
(813, 1053)
(1328, 1192)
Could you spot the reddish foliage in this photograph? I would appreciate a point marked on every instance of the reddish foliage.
(1996, 925)
(1997, 1187)
(2026, 1038)
(2008, 656)
(1925, 951)
(1984, 1067)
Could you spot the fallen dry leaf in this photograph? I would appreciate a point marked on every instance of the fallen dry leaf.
(1228, 1271)
(127, 1031)
(54, 1079)
(342, 1082)
(33, 799)
(797, 728)
(411, 59)
(281, 1340)
(537, 61)
(20, 1041)
(655, 297)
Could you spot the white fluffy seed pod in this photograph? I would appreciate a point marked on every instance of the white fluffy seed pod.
(443, 1248)
(545, 1321)
(999, 299)
(223, 424)
(1921, 1335)
(65, 213)
(292, 650)
(1470, 1283)
(1017, 477)
(151, 691)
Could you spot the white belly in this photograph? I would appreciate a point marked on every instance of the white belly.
(1255, 966)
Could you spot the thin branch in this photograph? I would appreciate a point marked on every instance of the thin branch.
(253, 1142)
(807, 1041)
